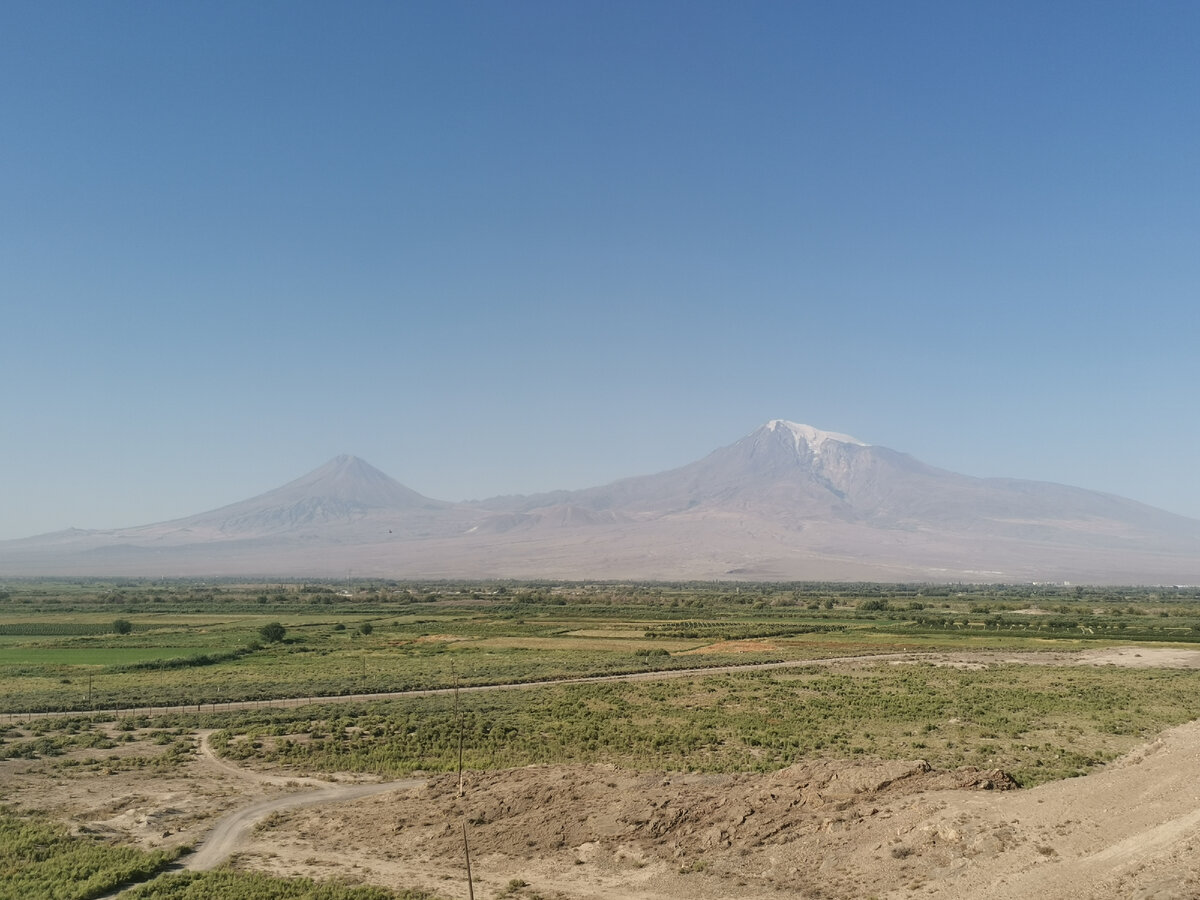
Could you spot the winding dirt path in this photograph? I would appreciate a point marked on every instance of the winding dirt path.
(206, 753)
(231, 831)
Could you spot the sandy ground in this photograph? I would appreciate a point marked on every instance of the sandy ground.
(885, 828)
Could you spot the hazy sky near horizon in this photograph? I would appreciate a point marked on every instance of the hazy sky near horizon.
(511, 247)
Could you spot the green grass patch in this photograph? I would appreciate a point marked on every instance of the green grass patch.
(226, 884)
(40, 860)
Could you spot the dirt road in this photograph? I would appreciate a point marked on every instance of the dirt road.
(231, 831)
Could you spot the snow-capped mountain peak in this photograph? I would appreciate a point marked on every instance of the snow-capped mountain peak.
(814, 438)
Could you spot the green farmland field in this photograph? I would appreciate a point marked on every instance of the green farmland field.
(81, 657)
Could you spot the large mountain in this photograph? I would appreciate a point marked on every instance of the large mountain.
(787, 501)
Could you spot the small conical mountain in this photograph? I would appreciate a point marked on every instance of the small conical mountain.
(345, 489)
(316, 525)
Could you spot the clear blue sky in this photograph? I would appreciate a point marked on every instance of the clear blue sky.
(510, 247)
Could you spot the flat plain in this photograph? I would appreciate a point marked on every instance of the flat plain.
(637, 740)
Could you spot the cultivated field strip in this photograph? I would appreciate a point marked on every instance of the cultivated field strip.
(295, 702)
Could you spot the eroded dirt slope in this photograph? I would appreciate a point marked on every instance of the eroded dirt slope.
(827, 829)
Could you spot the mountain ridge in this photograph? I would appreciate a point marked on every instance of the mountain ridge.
(787, 501)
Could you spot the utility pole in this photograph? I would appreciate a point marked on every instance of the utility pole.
(459, 723)
(467, 852)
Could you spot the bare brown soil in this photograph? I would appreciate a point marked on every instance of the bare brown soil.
(830, 829)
